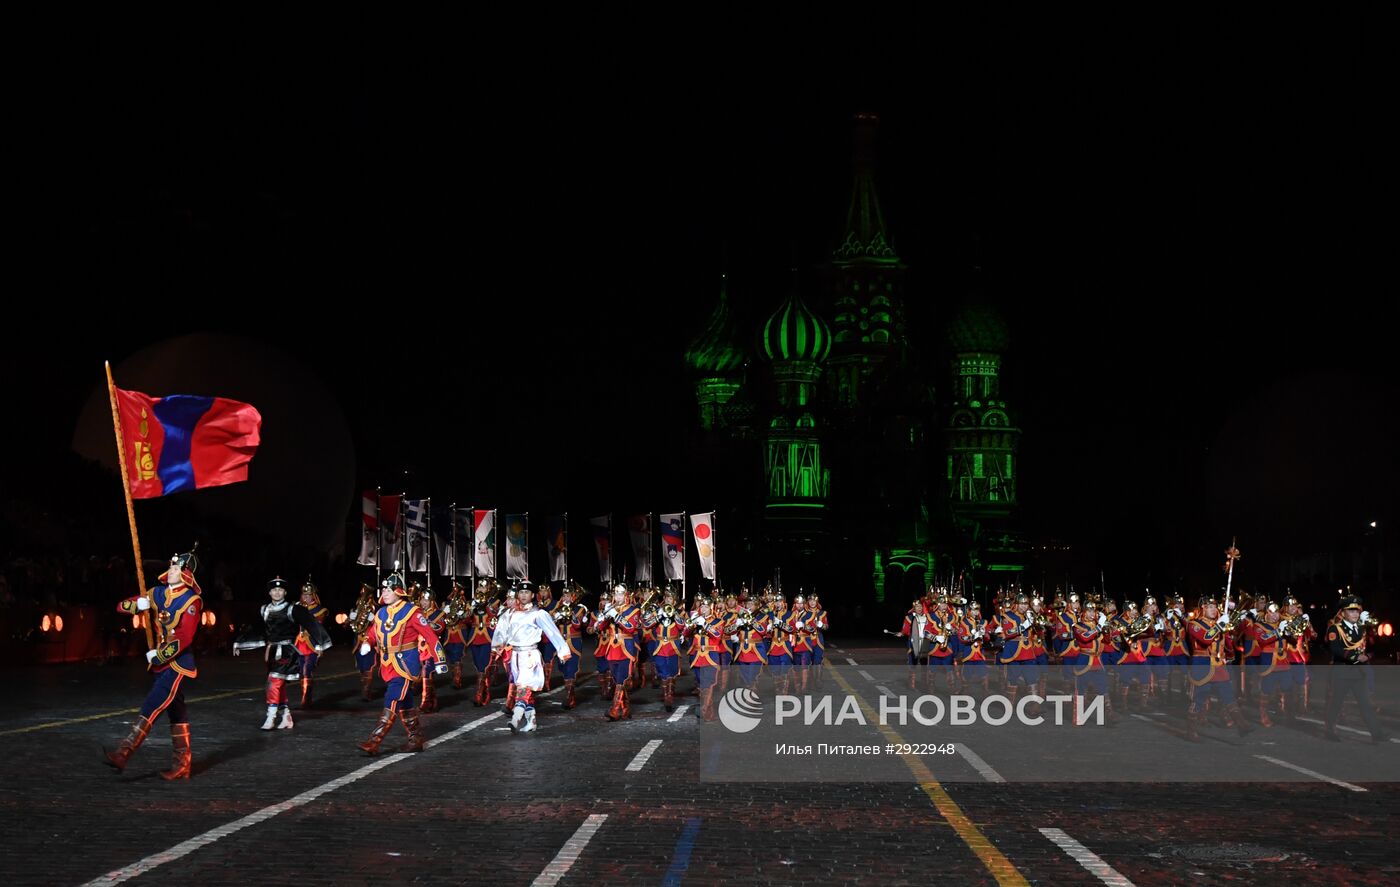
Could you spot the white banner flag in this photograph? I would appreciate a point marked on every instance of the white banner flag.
(452, 540)
(602, 544)
(369, 551)
(673, 545)
(390, 532)
(518, 546)
(559, 548)
(415, 524)
(639, 526)
(703, 525)
(485, 535)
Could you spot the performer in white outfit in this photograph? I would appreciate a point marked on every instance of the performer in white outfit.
(517, 639)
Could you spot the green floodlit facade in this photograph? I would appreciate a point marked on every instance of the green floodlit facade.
(867, 470)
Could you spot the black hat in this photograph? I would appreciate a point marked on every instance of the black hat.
(1350, 602)
(279, 582)
(527, 585)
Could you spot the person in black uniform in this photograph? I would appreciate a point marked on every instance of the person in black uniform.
(1346, 638)
(282, 622)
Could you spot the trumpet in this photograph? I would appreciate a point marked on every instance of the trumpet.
(668, 613)
(1295, 627)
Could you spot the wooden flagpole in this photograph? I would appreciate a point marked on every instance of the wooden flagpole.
(130, 509)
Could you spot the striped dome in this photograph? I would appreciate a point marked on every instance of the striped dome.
(794, 332)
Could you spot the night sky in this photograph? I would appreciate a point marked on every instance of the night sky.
(1183, 230)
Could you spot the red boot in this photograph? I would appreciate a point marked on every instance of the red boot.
(381, 729)
(615, 713)
(180, 742)
(130, 744)
(569, 699)
(415, 735)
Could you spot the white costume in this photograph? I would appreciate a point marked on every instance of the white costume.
(521, 630)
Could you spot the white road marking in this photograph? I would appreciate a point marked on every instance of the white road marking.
(1087, 858)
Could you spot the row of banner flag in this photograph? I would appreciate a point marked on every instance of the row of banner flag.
(400, 530)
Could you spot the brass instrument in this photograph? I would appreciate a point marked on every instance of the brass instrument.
(455, 608)
(364, 613)
(563, 613)
(1137, 628)
(668, 613)
(482, 596)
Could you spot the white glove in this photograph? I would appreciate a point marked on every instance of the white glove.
(801, 626)
(236, 651)
(1307, 618)
(1223, 620)
(1159, 625)
(609, 613)
(1102, 620)
(942, 638)
(143, 603)
(354, 613)
(1253, 611)
(1365, 614)
(364, 649)
(821, 626)
(440, 668)
(152, 656)
(734, 638)
(999, 631)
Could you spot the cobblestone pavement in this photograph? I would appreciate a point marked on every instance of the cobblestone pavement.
(580, 802)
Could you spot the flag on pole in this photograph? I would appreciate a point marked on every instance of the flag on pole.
(185, 442)
(369, 515)
(673, 545)
(415, 523)
(602, 544)
(703, 526)
(558, 548)
(390, 531)
(517, 546)
(485, 536)
(455, 536)
(639, 526)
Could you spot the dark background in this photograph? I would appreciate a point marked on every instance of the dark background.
(486, 249)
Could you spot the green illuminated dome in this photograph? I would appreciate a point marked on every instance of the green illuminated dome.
(795, 332)
(719, 349)
(979, 327)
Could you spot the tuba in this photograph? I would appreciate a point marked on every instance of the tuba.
(364, 613)
(455, 608)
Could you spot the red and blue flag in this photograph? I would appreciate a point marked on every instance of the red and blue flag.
(185, 442)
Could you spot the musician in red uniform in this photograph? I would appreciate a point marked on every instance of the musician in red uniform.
(174, 606)
(780, 643)
(433, 612)
(456, 630)
(667, 628)
(1298, 653)
(706, 631)
(311, 600)
(625, 619)
(1207, 635)
(571, 617)
(750, 630)
(1090, 637)
(400, 634)
(481, 624)
(1158, 667)
(1016, 627)
(973, 632)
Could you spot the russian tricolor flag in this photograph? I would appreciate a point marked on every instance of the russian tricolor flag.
(185, 442)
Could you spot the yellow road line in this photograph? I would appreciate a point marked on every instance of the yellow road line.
(132, 711)
(996, 863)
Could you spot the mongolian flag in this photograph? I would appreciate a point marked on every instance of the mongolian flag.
(518, 546)
(559, 547)
(185, 442)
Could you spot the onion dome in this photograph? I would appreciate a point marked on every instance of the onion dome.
(795, 332)
(719, 349)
